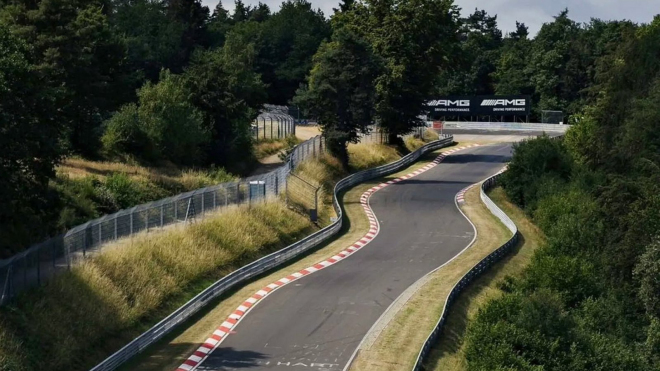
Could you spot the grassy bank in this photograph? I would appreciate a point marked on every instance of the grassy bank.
(85, 314)
(448, 354)
(267, 147)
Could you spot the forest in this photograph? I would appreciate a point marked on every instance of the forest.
(170, 81)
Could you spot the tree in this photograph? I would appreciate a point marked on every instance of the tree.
(260, 13)
(193, 16)
(480, 46)
(241, 12)
(29, 143)
(152, 39)
(341, 91)
(164, 126)
(511, 75)
(415, 39)
(76, 53)
(218, 26)
(289, 40)
(225, 88)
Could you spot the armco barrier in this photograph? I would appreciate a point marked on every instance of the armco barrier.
(508, 126)
(264, 264)
(475, 272)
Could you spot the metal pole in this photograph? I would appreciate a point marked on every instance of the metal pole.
(161, 215)
(115, 227)
(131, 230)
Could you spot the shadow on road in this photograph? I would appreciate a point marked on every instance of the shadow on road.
(472, 158)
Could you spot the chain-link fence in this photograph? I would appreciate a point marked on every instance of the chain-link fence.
(552, 117)
(42, 261)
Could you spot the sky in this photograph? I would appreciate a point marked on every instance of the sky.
(531, 12)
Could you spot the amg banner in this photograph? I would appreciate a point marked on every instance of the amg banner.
(495, 105)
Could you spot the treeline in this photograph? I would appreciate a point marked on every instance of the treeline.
(590, 300)
(147, 81)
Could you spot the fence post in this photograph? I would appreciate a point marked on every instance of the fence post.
(115, 226)
(176, 211)
(131, 228)
(215, 195)
(84, 245)
(271, 129)
(271, 123)
(146, 219)
(161, 215)
(203, 200)
(276, 184)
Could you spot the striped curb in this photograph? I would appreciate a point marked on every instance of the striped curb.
(460, 196)
(232, 321)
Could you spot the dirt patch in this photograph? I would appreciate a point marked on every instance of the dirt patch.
(307, 132)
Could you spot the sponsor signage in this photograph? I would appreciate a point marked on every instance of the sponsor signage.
(512, 105)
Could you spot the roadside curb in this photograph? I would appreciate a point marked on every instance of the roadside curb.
(226, 328)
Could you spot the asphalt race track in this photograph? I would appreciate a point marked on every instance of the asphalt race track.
(317, 322)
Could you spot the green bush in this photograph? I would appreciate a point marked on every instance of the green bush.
(163, 126)
(124, 135)
(536, 163)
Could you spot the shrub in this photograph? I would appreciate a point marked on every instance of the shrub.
(124, 135)
(534, 162)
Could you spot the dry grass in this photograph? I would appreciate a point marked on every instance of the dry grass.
(398, 345)
(448, 354)
(121, 290)
(307, 132)
(169, 176)
(268, 147)
(368, 155)
(322, 173)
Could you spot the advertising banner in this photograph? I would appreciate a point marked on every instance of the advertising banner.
(494, 105)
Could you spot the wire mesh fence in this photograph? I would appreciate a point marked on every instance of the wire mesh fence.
(304, 195)
(41, 262)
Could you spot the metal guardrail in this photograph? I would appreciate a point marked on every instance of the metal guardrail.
(264, 264)
(511, 126)
(475, 272)
(45, 260)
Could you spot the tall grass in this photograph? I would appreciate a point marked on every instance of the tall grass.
(322, 172)
(266, 147)
(113, 296)
(368, 155)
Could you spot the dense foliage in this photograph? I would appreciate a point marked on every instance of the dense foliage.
(589, 299)
(153, 81)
